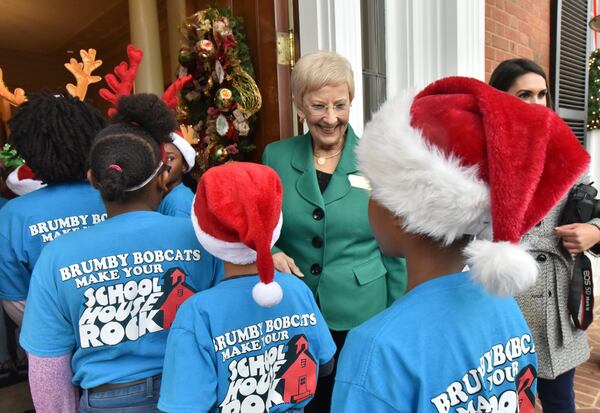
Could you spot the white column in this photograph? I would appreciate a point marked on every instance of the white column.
(334, 25)
(175, 17)
(430, 39)
(143, 22)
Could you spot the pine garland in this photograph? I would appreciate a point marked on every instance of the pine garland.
(221, 101)
(593, 119)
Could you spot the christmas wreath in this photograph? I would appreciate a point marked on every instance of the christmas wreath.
(222, 99)
(593, 117)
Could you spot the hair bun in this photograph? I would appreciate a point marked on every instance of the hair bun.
(148, 112)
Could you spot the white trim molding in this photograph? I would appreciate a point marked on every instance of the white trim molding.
(334, 25)
(430, 39)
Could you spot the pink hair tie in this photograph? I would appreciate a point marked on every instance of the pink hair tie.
(115, 167)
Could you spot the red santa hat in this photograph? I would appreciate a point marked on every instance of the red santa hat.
(22, 180)
(187, 151)
(237, 217)
(464, 158)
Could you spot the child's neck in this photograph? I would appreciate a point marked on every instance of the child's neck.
(173, 184)
(231, 270)
(116, 208)
(428, 260)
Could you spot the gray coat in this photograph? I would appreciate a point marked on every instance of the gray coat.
(560, 346)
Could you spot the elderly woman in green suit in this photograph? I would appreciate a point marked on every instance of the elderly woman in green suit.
(326, 238)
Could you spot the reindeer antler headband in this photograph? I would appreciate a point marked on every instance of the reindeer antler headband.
(126, 73)
(82, 72)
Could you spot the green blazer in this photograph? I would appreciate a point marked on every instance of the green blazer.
(329, 236)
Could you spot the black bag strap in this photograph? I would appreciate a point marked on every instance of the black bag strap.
(581, 293)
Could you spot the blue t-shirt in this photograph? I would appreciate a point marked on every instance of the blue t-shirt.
(178, 202)
(446, 346)
(31, 221)
(3, 201)
(227, 354)
(108, 295)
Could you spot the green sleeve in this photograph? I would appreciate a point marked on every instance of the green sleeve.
(396, 277)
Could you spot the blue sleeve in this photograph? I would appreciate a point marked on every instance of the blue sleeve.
(14, 275)
(177, 212)
(47, 330)
(189, 382)
(351, 398)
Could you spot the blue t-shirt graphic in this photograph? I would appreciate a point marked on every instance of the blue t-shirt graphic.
(178, 202)
(446, 346)
(225, 353)
(31, 221)
(109, 294)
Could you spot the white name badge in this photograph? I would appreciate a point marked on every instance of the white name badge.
(358, 181)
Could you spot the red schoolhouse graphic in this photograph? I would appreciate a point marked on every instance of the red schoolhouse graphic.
(176, 291)
(298, 376)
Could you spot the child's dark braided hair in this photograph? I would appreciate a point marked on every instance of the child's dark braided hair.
(127, 152)
(53, 133)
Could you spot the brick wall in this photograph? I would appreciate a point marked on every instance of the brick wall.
(517, 28)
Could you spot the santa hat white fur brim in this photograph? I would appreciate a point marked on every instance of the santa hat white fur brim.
(265, 295)
(436, 196)
(22, 186)
(187, 151)
(234, 252)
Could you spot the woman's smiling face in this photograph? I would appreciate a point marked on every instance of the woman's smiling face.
(327, 112)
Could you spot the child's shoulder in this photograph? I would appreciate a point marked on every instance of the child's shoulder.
(289, 280)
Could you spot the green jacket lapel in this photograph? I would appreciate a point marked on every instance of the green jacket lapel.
(339, 185)
(302, 160)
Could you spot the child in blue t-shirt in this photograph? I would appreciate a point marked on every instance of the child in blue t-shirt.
(181, 157)
(53, 134)
(102, 300)
(444, 166)
(257, 341)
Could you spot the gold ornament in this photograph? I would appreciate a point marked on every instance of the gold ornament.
(250, 98)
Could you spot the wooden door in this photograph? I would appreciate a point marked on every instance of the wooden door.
(262, 20)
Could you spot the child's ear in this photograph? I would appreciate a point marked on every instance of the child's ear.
(162, 181)
(91, 180)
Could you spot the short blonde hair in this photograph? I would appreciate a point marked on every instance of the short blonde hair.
(319, 69)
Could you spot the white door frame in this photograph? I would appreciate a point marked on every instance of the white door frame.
(425, 40)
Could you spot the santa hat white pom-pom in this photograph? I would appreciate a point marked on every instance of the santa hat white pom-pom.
(502, 268)
(267, 295)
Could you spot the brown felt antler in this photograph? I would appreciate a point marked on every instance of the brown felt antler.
(82, 72)
(15, 98)
(126, 73)
(189, 134)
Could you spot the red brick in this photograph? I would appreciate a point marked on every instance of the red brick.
(500, 29)
(488, 38)
(490, 53)
(500, 16)
(513, 9)
(500, 43)
(524, 39)
(512, 34)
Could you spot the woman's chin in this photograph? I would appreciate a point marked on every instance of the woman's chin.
(327, 138)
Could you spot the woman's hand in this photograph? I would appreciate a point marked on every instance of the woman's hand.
(284, 263)
(577, 238)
